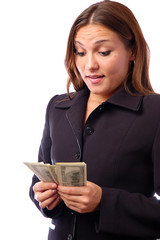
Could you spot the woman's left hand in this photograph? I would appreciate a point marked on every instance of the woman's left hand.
(81, 199)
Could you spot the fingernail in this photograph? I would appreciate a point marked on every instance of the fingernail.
(54, 185)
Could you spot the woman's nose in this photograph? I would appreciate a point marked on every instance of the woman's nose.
(91, 63)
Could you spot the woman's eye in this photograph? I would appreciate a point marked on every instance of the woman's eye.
(81, 54)
(106, 53)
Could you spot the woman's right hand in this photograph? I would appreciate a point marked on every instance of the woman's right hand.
(46, 194)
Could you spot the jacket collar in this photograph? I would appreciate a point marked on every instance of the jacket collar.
(125, 100)
(65, 102)
(120, 98)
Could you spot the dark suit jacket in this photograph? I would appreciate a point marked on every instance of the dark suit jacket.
(120, 143)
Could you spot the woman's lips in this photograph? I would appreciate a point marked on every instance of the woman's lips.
(95, 78)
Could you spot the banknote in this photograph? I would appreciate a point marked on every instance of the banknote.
(42, 171)
(71, 174)
(63, 173)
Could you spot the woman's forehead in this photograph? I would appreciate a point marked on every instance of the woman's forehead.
(95, 33)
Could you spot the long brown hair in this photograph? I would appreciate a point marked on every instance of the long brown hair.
(121, 20)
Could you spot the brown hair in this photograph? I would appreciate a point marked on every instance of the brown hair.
(121, 20)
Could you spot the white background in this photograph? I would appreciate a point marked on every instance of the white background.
(33, 37)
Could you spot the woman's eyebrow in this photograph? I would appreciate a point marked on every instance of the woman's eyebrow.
(102, 41)
(96, 43)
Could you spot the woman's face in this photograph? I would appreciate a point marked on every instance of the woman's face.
(101, 59)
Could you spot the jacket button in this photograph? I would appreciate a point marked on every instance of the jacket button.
(69, 237)
(89, 130)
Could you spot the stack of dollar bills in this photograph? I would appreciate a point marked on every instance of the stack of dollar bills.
(62, 173)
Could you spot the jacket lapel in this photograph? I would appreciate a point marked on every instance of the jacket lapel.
(75, 113)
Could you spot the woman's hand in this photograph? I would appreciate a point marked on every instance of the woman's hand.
(46, 194)
(81, 199)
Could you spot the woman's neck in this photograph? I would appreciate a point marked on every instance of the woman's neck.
(96, 99)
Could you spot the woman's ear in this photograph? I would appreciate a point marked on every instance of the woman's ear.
(133, 54)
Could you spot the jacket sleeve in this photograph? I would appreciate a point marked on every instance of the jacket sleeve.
(133, 214)
(44, 156)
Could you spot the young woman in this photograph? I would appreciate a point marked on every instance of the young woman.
(111, 122)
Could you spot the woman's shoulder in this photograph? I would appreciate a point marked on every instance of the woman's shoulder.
(151, 106)
(67, 99)
(61, 100)
(59, 97)
(152, 99)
